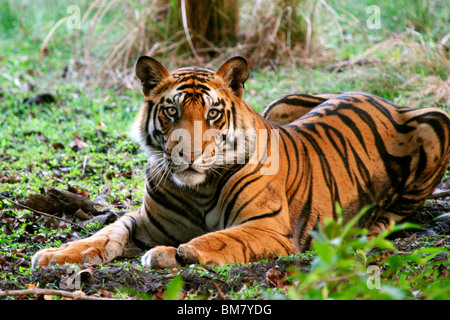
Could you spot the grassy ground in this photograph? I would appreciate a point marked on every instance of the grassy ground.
(40, 143)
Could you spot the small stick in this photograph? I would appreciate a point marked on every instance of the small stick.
(439, 195)
(53, 292)
(41, 213)
(221, 295)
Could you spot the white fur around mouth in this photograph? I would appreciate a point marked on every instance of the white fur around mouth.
(191, 176)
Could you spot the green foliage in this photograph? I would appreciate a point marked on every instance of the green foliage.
(174, 288)
(347, 266)
(422, 16)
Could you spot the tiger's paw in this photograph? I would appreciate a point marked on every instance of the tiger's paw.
(187, 254)
(169, 257)
(160, 257)
(73, 252)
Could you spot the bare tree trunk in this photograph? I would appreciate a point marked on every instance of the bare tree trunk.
(213, 23)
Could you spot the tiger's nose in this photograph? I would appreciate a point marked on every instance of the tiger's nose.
(190, 157)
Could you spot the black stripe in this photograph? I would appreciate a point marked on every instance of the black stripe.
(402, 128)
(233, 113)
(241, 242)
(296, 158)
(422, 161)
(286, 152)
(262, 216)
(305, 213)
(397, 168)
(343, 154)
(325, 166)
(193, 86)
(353, 127)
(231, 204)
(224, 177)
(240, 209)
(297, 100)
(161, 229)
(436, 125)
(148, 140)
(229, 119)
(166, 200)
(132, 235)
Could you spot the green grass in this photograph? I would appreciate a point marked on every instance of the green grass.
(101, 123)
(410, 71)
(426, 20)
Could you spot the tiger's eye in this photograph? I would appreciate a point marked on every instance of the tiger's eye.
(213, 113)
(171, 111)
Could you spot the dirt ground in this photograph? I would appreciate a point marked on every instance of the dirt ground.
(202, 280)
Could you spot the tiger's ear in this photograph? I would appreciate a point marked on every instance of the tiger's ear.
(235, 72)
(150, 72)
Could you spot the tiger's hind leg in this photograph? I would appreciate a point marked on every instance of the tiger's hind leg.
(428, 147)
(382, 221)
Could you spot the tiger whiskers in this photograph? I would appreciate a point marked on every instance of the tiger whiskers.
(215, 172)
(159, 169)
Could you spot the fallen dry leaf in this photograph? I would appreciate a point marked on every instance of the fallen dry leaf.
(58, 145)
(275, 278)
(40, 99)
(80, 214)
(77, 143)
(174, 273)
(105, 293)
(9, 179)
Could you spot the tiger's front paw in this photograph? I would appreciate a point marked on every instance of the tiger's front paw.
(74, 252)
(160, 257)
(169, 257)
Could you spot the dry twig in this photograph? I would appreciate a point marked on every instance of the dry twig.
(52, 292)
(439, 195)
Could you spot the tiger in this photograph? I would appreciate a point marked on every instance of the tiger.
(253, 187)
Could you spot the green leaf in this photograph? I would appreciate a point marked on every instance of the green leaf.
(174, 288)
(354, 220)
(442, 216)
(393, 292)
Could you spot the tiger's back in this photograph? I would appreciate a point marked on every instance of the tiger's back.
(291, 107)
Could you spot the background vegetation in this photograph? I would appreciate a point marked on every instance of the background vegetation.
(68, 96)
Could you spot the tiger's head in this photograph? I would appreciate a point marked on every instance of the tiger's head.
(189, 120)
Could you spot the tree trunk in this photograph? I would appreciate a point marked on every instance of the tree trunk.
(212, 23)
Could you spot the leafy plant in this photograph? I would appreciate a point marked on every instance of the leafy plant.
(174, 288)
(348, 266)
